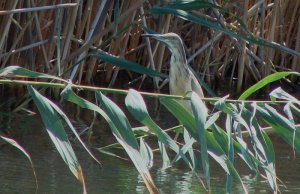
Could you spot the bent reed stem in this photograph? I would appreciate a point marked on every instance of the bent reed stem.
(124, 92)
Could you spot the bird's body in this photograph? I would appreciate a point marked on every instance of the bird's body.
(181, 79)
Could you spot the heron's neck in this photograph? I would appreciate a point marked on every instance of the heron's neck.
(178, 63)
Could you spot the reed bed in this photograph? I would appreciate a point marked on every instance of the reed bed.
(56, 44)
(51, 36)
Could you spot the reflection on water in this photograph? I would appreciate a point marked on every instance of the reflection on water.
(116, 176)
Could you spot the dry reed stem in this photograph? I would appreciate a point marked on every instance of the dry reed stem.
(102, 33)
(14, 45)
(40, 37)
(296, 61)
(98, 20)
(80, 27)
(6, 22)
(242, 57)
(36, 44)
(68, 31)
(35, 9)
(124, 45)
(149, 49)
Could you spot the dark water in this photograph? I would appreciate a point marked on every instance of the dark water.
(115, 176)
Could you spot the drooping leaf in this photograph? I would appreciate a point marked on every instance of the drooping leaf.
(265, 151)
(164, 155)
(57, 134)
(240, 146)
(16, 71)
(19, 147)
(200, 113)
(229, 130)
(182, 114)
(232, 110)
(124, 135)
(189, 141)
(127, 141)
(279, 93)
(140, 165)
(119, 119)
(212, 119)
(263, 146)
(213, 147)
(64, 116)
(140, 113)
(220, 105)
(146, 153)
(280, 125)
(295, 110)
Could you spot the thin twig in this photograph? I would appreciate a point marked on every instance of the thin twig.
(120, 91)
(24, 10)
(25, 48)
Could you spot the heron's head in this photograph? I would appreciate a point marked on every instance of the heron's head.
(171, 40)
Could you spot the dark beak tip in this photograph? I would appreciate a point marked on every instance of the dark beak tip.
(156, 36)
(147, 35)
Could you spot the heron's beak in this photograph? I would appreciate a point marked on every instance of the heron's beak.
(149, 35)
(156, 36)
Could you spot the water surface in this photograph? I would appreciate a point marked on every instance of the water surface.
(115, 175)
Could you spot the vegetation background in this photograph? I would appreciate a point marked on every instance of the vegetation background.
(230, 45)
(52, 36)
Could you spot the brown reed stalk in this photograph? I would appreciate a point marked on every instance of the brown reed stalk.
(33, 36)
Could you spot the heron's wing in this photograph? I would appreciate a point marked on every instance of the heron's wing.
(196, 87)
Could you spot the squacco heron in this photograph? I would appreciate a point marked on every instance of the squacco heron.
(181, 79)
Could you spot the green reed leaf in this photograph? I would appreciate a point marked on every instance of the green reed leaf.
(140, 113)
(263, 146)
(200, 113)
(146, 153)
(120, 127)
(16, 71)
(19, 147)
(281, 125)
(213, 147)
(279, 93)
(129, 65)
(265, 81)
(57, 134)
(124, 135)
